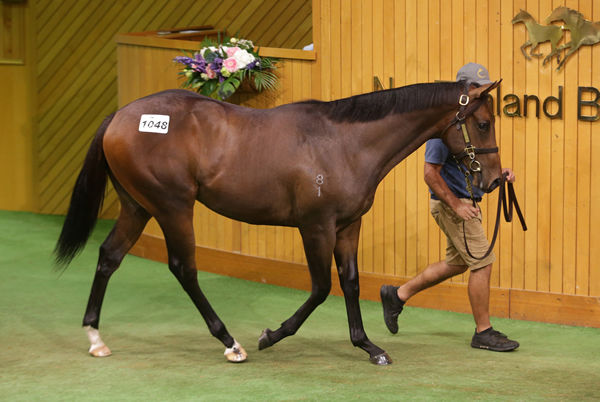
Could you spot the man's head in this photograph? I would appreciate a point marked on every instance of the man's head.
(473, 73)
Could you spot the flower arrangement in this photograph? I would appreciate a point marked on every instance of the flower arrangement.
(219, 69)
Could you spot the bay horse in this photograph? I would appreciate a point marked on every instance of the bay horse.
(312, 165)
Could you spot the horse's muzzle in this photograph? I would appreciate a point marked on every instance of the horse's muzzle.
(494, 185)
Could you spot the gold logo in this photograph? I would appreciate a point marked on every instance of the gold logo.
(480, 73)
(583, 32)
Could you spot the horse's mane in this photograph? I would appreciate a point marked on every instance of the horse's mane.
(377, 105)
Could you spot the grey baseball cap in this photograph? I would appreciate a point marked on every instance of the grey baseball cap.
(473, 72)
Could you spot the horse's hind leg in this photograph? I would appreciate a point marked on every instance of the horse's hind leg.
(318, 247)
(179, 235)
(126, 231)
(345, 253)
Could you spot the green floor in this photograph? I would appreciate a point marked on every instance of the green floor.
(163, 351)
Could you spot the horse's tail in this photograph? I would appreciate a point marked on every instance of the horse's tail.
(86, 201)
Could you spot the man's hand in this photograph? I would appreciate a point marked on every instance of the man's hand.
(510, 176)
(466, 211)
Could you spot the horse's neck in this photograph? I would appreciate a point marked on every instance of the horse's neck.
(388, 142)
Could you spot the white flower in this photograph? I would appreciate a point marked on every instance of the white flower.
(245, 43)
(233, 40)
(243, 58)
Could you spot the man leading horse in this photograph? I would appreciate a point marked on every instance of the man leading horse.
(454, 212)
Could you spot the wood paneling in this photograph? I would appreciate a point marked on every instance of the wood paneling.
(16, 108)
(77, 68)
(63, 97)
(554, 160)
(12, 33)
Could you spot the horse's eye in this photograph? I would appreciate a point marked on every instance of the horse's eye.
(484, 126)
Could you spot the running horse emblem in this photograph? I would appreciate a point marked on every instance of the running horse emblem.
(583, 32)
(538, 34)
(311, 165)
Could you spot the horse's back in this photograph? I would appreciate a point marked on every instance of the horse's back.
(154, 141)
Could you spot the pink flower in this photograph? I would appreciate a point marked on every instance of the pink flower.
(210, 73)
(231, 50)
(230, 64)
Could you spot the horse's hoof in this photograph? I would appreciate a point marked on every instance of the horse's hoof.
(264, 341)
(381, 360)
(100, 351)
(236, 353)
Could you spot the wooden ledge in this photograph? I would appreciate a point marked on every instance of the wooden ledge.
(149, 39)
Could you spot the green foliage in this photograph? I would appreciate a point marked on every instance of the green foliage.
(219, 68)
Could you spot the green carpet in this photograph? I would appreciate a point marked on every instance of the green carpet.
(162, 349)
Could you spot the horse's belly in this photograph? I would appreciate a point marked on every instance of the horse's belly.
(262, 207)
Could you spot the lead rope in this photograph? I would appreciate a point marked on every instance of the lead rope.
(507, 207)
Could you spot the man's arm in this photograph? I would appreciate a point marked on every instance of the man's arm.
(436, 183)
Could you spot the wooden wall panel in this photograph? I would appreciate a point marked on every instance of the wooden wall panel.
(16, 108)
(554, 160)
(76, 79)
(13, 19)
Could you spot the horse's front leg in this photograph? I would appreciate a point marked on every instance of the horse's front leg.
(345, 253)
(179, 236)
(524, 51)
(318, 243)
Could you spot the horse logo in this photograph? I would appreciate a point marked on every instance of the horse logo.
(583, 32)
(538, 34)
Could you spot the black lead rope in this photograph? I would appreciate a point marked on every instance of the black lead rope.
(507, 207)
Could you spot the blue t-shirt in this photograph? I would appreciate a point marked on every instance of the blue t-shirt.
(437, 153)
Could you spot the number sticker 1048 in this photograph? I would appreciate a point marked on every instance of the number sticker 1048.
(154, 123)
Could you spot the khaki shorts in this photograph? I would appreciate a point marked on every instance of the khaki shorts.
(452, 225)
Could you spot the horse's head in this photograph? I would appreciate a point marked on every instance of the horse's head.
(559, 14)
(522, 16)
(472, 138)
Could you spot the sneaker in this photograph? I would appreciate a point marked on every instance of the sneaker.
(392, 306)
(491, 339)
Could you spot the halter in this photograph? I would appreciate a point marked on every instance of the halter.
(470, 150)
(474, 167)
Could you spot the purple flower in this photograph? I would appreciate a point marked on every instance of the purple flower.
(252, 65)
(198, 65)
(217, 64)
(183, 60)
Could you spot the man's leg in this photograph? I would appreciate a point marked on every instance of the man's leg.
(393, 298)
(431, 276)
(479, 296)
(485, 336)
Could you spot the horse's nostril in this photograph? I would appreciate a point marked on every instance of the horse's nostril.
(493, 186)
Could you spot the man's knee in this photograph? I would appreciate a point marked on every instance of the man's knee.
(457, 269)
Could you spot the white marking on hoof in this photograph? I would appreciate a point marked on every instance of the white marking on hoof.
(236, 353)
(97, 347)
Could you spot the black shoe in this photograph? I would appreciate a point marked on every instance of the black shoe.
(491, 339)
(392, 306)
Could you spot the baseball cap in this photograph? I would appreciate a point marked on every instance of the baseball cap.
(473, 73)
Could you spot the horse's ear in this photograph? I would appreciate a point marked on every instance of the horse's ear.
(483, 90)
